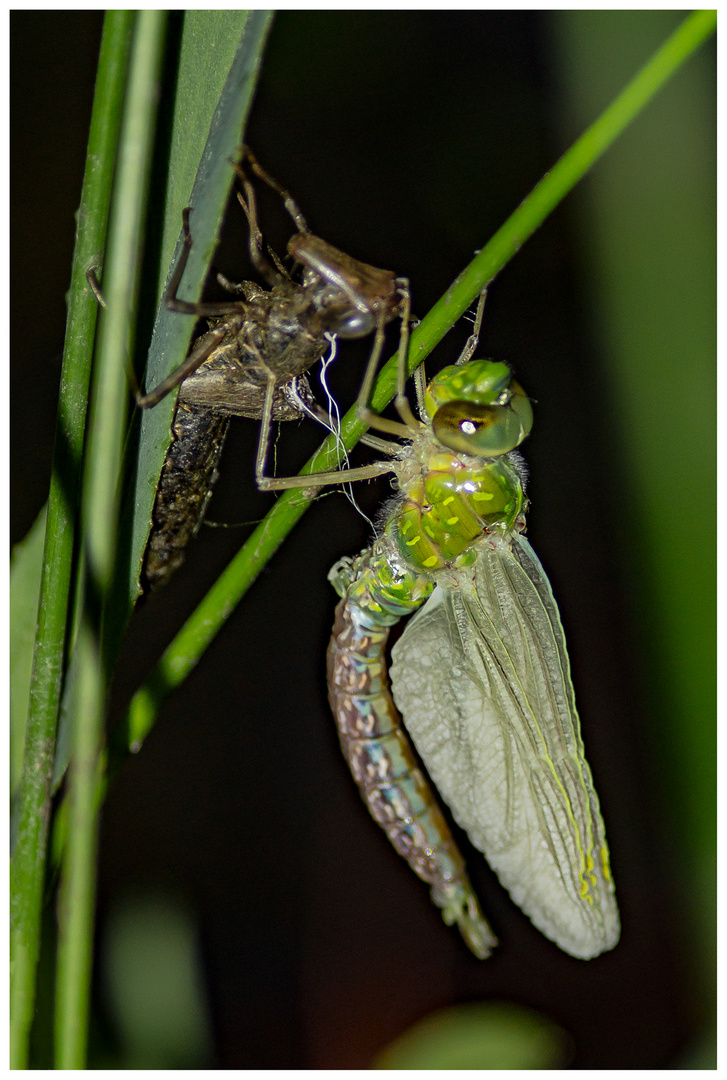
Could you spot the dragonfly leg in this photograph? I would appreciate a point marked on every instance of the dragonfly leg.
(382, 445)
(363, 411)
(93, 282)
(310, 480)
(288, 201)
(196, 358)
(401, 401)
(259, 260)
(473, 340)
(323, 479)
(194, 307)
(263, 442)
(420, 386)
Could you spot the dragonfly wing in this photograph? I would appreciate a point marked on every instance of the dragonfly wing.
(482, 678)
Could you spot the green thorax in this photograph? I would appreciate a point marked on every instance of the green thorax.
(448, 504)
(457, 483)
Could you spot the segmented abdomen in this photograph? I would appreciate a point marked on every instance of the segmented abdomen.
(383, 765)
(185, 488)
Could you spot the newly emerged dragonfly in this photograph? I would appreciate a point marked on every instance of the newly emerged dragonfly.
(481, 674)
(252, 361)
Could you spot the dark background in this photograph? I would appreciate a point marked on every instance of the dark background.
(407, 138)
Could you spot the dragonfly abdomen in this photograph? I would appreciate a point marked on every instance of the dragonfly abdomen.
(384, 766)
(185, 488)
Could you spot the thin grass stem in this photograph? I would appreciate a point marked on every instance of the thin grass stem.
(90, 672)
(29, 856)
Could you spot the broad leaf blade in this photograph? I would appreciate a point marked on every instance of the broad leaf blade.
(216, 134)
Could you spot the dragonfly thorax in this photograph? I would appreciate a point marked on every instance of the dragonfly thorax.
(448, 501)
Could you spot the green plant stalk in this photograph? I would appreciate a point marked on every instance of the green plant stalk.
(99, 518)
(199, 631)
(27, 871)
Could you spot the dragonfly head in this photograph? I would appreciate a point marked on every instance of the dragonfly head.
(478, 408)
(350, 296)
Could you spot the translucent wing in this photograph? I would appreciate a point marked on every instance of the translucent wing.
(482, 678)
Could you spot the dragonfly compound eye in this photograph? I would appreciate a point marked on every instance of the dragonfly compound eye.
(484, 430)
(353, 323)
(350, 296)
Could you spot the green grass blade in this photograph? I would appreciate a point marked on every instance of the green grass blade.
(28, 864)
(200, 629)
(652, 294)
(99, 520)
(26, 564)
(210, 117)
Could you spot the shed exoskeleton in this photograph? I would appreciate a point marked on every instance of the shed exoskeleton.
(252, 360)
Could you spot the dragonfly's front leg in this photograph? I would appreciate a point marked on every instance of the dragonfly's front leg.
(263, 441)
(408, 424)
(311, 480)
(473, 340)
(232, 312)
(201, 352)
(315, 480)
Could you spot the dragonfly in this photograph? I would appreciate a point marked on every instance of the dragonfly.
(480, 678)
(252, 360)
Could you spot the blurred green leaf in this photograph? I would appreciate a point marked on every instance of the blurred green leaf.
(153, 981)
(26, 565)
(495, 1035)
(651, 273)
